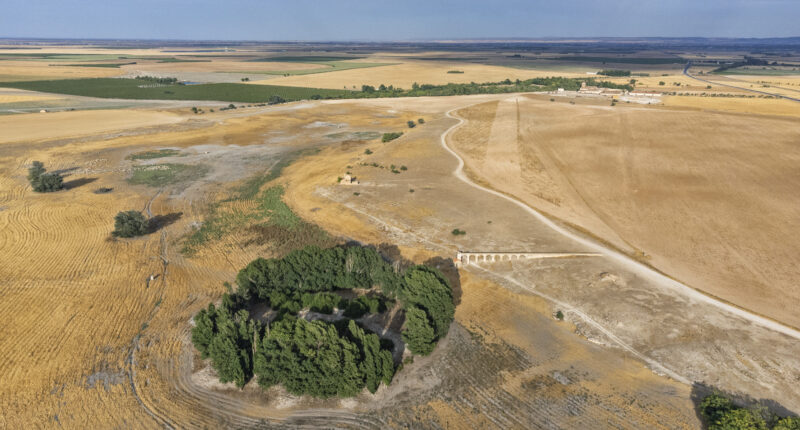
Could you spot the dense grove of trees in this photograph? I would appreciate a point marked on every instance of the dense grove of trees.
(43, 182)
(321, 358)
(614, 72)
(722, 414)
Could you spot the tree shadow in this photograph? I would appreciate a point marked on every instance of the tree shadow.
(160, 221)
(701, 390)
(103, 190)
(63, 171)
(75, 183)
(450, 271)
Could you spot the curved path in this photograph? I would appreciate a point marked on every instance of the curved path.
(689, 64)
(622, 259)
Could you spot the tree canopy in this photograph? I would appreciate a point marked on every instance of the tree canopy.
(43, 182)
(321, 358)
(130, 224)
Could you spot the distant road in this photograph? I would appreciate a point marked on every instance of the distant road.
(689, 64)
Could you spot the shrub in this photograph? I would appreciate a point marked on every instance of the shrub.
(274, 100)
(560, 316)
(387, 137)
(457, 232)
(368, 151)
(129, 224)
(661, 83)
(421, 121)
(411, 124)
(43, 182)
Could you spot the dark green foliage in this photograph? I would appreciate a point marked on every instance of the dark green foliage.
(139, 89)
(427, 289)
(721, 413)
(789, 423)
(411, 124)
(457, 232)
(320, 358)
(315, 358)
(560, 316)
(614, 72)
(129, 224)
(387, 137)
(419, 335)
(227, 338)
(323, 303)
(363, 305)
(421, 120)
(368, 151)
(43, 182)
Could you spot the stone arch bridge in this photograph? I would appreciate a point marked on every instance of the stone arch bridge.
(464, 258)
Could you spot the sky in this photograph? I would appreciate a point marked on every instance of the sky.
(391, 20)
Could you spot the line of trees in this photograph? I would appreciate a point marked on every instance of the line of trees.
(321, 358)
(614, 72)
(505, 86)
(43, 182)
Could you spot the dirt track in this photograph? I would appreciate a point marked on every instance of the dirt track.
(626, 261)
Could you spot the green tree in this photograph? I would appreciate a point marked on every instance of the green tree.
(789, 423)
(426, 288)
(418, 335)
(411, 124)
(42, 182)
(739, 419)
(129, 224)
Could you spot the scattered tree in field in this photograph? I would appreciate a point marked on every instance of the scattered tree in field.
(560, 316)
(368, 151)
(662, 83)
(129, 224)
(457, 232)
(387, 137)
(421, 121)
(43, 182)
(411, 124)
(245, 79)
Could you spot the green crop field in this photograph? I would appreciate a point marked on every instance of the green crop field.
(131, 89)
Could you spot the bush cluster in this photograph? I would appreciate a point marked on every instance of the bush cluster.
(387, 137)
(130, 224)
(321, 358)
(722, 414)
(43, 182)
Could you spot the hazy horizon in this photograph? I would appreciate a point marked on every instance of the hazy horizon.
(352, 20)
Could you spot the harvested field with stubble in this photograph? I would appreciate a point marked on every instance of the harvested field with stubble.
(97, 343)
(667, 186)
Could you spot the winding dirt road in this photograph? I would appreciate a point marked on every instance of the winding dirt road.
(622, 259)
